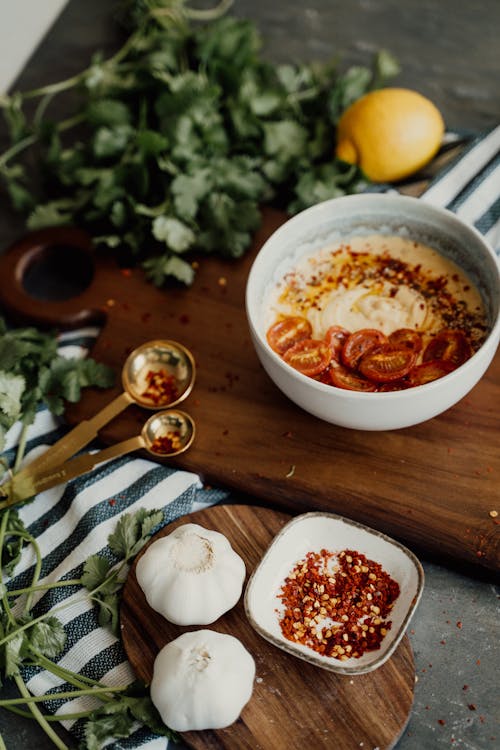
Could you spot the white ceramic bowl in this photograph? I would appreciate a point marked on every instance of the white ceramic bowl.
(331, 221)
(312, 532)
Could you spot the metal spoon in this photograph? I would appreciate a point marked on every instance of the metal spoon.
(164, 435)
(175, 364)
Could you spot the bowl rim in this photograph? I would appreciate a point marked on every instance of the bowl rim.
(360, 199)
(327, 663)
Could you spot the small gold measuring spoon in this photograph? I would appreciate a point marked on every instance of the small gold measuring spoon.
(170, 361)
(164, 435)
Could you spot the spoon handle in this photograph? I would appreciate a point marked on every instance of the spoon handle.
(28, 483)
(75, 440)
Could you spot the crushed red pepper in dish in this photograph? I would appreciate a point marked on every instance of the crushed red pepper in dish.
(161, 387)
(337, 604)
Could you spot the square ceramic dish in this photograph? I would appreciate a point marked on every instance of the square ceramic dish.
(313, 532)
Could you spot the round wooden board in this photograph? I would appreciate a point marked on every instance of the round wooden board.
(294, 704)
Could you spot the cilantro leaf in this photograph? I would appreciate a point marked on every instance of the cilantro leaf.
(95, 570)
(174, 233)
(48, 637)
(183, 135)
(132, 531)
(13, 541)
(112, 720)
(33, 373)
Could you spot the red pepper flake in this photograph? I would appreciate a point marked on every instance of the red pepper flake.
(126, 272)
(471, 706)
(465, 687)
(161, 387)
(112, 502)
(165, 444)
(442, 722)
(459, 625)
(337, 603)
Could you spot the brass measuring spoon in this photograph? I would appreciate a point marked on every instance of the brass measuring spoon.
(164, 435)
(172, 364)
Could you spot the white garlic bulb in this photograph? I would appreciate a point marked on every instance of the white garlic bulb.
(202, 680)
(192, 576)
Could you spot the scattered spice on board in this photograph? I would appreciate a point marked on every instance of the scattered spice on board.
(337, 603)
(161, 387)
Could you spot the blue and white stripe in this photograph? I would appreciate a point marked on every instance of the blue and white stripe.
(470, 187)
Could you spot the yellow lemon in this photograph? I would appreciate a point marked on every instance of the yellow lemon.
(390, 133)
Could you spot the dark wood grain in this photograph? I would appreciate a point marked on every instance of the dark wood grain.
(431, 486)
(294, 704)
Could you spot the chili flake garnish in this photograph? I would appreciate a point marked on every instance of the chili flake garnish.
(169, 443)
(337, 603)
(161, 387)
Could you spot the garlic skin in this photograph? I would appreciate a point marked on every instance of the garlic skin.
(202, 680)
(192, 576)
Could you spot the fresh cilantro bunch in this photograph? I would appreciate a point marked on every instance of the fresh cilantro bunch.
(32, 374)
(180, 137)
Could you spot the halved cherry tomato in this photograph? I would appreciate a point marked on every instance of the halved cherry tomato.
(335, 337)
(394, 385)
(449, 345)
(359, 343)
(385, 363)
(309, 356)
(342, 377)
(406, 338)
(287, 332)
(428, 371)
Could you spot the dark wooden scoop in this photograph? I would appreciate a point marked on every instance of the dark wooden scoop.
(48, 278)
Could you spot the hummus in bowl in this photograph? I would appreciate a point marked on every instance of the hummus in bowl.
(418, 308)
(425, 284)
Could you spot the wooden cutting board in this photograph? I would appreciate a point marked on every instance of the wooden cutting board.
(294, 705)
(432, 486)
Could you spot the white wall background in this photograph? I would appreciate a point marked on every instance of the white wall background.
(23, 24)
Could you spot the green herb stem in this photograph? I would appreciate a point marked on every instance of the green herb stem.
(210, 14)
(5, 599)
(21, 448)
(44, 587)
(37, 714)
(36, 573)
(67, 695)
(77, 680)
(16, 149)
(49, 717)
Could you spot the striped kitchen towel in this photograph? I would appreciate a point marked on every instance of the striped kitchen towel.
(470, 187)
(73, 521)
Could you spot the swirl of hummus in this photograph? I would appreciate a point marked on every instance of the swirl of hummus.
(359, 307)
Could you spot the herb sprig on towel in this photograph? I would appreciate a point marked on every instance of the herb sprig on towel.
(177, 140)
(34, 374)
(27, 640)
